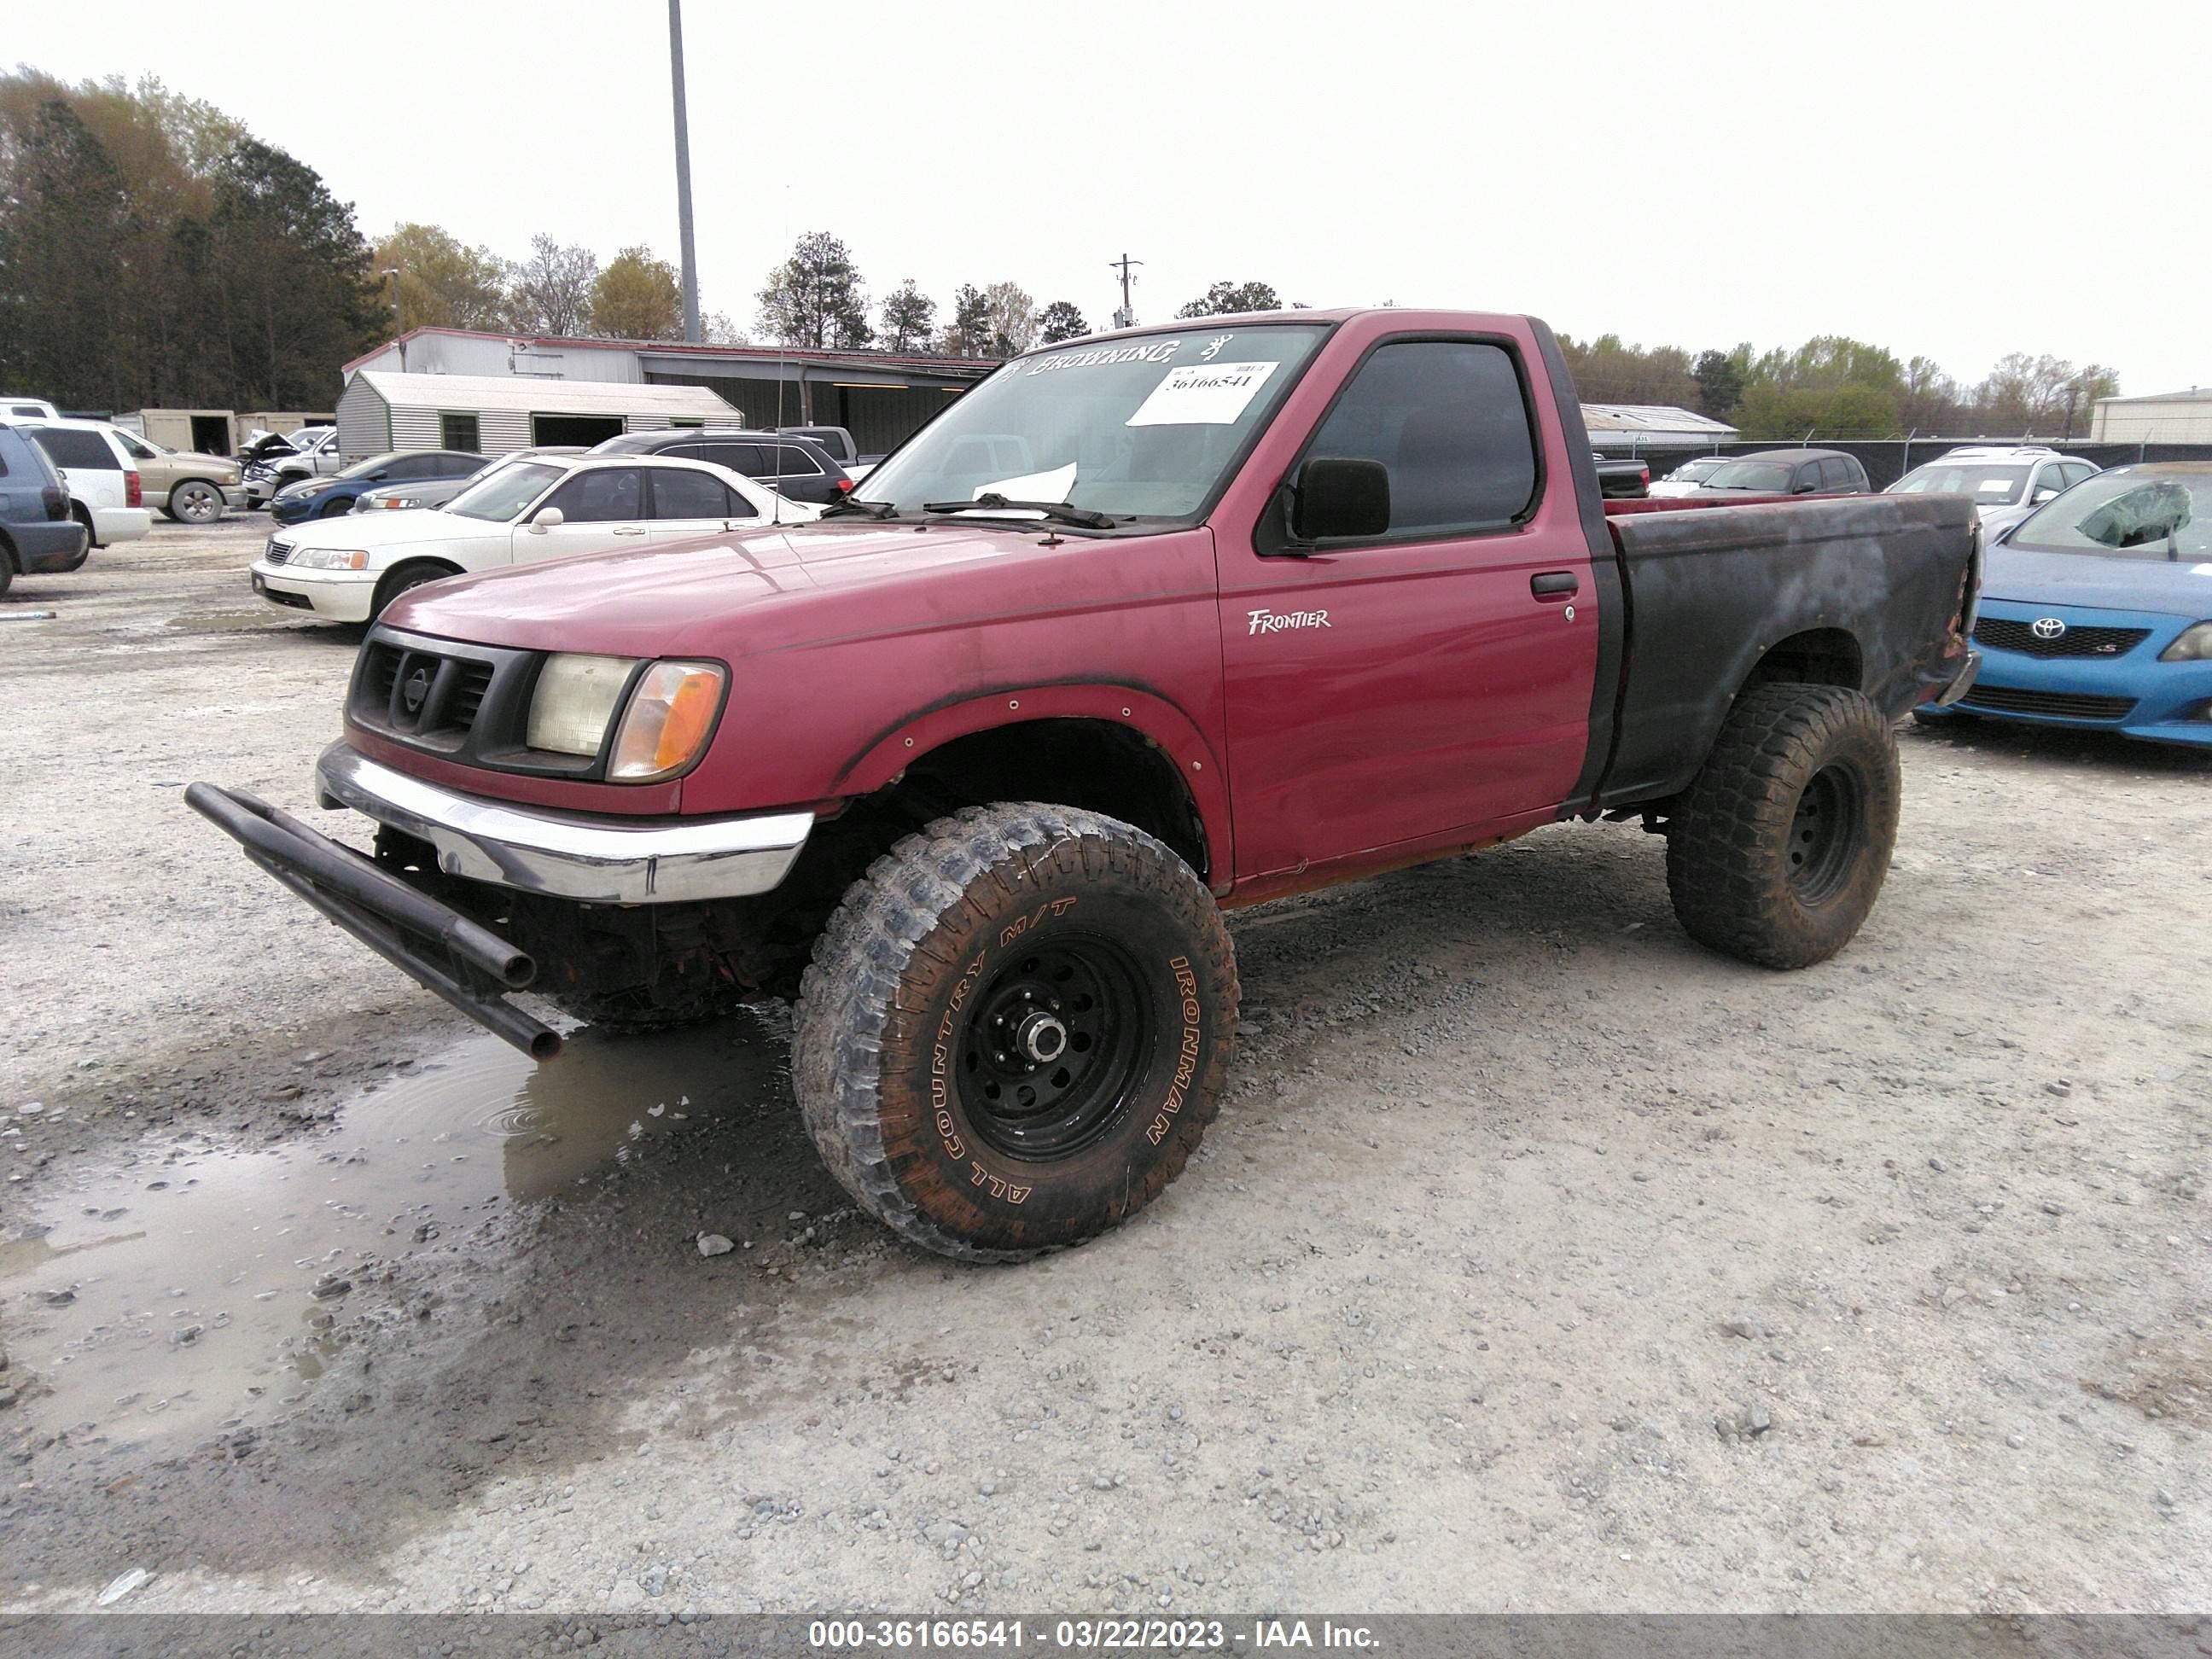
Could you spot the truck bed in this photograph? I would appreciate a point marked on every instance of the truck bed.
(1860, 584)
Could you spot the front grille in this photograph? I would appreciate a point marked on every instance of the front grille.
(2005, 635)
(379, 670)
(2059, 705)
(452, 690)
(472, 703)
(468, 694)
(278, 551)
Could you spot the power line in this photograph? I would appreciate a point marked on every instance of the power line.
(1127, 314)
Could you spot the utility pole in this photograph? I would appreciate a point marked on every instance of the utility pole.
(1127, 314)
(683, 173)
(398, 328)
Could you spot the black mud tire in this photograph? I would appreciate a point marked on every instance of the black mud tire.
(974, 911)
(1777, 851)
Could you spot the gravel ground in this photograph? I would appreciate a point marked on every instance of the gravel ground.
(1540, 1261)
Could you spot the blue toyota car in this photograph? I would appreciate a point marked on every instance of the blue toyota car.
(2096, 610)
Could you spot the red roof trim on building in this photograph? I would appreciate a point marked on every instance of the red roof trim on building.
(966, 367)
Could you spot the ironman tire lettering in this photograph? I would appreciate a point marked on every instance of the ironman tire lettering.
(1015, 1029)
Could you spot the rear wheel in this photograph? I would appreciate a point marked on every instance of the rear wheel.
(1014, 1030)
(1778, 850)
(194, 502)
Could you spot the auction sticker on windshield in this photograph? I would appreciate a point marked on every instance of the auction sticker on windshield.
(1202, 394)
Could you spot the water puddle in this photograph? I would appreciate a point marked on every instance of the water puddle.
(194, 1287)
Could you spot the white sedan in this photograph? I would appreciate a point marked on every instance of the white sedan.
(348, 568)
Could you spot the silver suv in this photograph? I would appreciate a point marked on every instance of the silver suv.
(2008, 481)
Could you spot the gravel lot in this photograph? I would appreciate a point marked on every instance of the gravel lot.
(1539, 1260)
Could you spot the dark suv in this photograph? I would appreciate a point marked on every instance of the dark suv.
(37, 533)
(1787, 473)
(798, 469)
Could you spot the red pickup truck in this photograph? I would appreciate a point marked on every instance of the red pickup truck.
(1148, 625)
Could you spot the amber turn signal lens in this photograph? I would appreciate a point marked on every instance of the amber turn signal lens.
(669, 718)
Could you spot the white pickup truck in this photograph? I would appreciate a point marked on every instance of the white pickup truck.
(313, 454)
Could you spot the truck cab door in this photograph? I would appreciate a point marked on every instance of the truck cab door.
(601, 509)
(1432, 680)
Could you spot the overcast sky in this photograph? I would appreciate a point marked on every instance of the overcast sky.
(1945, 177)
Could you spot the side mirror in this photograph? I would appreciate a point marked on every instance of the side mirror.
(548, 518)
(1805, 488)
(1336, 496)
(2049, 492)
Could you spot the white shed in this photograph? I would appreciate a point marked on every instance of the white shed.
(490, 414)
(2163, 417)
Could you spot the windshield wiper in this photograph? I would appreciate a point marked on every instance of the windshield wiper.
(854, 504)
(991, 501)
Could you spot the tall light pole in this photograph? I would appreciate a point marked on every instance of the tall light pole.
(399, 331)
(683, 173)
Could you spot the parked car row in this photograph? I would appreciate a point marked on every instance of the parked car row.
(519, 511)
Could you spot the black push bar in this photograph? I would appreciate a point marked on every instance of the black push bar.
(434, 944)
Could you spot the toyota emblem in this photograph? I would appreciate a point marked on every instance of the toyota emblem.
(2044, 628)
(418, 687)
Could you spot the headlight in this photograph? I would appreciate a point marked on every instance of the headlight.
(575, 700)
(400, 500)
(297, 487)
(331, 558)
(669, 717)
(2194, 645)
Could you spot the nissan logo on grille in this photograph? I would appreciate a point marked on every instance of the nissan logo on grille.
(2047, 627)
(416, 688)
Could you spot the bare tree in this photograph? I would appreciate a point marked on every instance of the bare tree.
(551, 292)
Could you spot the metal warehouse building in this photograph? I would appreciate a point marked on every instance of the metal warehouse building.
(492, 415)
(880, 397)
(1643, 428)
(2165, 417)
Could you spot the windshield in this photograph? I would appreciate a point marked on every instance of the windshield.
(1694, 471)
(1990, 486)
(505, 491)
(2136, 513)
(306, 435)
(1145, 428)
(1770, 476)
(373, 463)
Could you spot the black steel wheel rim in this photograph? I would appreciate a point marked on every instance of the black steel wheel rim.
(1054, 1047)
(1824, 834)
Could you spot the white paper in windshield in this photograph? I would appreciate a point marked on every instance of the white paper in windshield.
(1051, 486)
(1995, 486)
(1202, 394)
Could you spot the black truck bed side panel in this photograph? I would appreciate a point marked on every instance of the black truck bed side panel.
(1712, 592)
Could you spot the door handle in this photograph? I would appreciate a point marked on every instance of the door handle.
(1555, 585)
(629, 530)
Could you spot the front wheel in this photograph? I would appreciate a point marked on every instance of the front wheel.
(1014, 1029)
(1778, 850)
(407, 576)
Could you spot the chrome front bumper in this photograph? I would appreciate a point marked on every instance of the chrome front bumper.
(592, 860)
